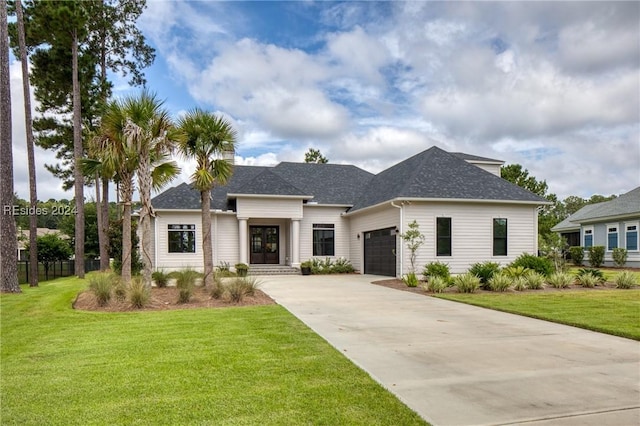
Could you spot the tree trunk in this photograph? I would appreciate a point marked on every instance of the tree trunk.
(126, 186)
(33, 195)
(103, 232)
(77, 155)
(9, 242)
(207, 252)
(144, 185)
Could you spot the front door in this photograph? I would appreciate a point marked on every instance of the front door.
(264, 244)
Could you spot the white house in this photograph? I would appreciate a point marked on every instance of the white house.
(612, 224)
(292, 212)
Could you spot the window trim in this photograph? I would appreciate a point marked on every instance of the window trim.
(637, 231)
(323, 227)
(181, 228)
(587, 230)
(616, 233)
(496, 238)
(447, 238)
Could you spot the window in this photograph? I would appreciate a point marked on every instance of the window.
(323, 239)
(182, 238)
(631, 236)
(443, 236)
(588, 237)
(612, 237)
(500, 237)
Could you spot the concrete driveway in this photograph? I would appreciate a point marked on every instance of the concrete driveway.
(457, 364)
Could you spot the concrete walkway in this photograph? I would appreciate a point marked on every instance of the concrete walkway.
(457, 364)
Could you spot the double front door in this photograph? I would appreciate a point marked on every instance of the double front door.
(265, 241)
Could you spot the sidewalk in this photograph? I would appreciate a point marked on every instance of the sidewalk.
(457, 364)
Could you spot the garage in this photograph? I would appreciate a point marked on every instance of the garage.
(379, 252)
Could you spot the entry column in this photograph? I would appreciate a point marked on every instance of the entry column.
(243, 238)
(295, 242)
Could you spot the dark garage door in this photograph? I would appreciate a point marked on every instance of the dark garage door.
(379, 248)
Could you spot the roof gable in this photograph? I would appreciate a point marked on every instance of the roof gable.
(627, 204)
(268, 183)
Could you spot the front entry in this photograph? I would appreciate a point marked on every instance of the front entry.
(265, 244)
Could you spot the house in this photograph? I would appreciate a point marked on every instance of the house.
(612, 224)
(292, 212)
(23, 240)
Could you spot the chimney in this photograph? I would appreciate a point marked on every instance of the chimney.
(229, 155)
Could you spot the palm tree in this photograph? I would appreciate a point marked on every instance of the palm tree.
(151, 133)
(206, 138)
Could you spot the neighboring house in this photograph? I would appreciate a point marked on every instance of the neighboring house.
(292, 212)
(612, 224)
(23, 240)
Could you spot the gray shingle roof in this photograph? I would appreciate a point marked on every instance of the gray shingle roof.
(268, 183)
(437, 174)
(625, 205)
(470, 157)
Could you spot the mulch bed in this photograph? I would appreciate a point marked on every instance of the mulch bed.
(164, 299)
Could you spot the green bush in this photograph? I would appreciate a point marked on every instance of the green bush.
(119, 289)
(411, 280)
(160, 278)
(534, 280)
(577, 255)
(620, 256)
(437, 284)
(519, 283)
(186, 281)
(484, 271)
(236, 290)
(587, 280)
(500, 282)
(101, 285)
(467, 283)
(327, 266)
(596, 256)
(626, 280)
(343, 266)
(138, 293)
(251, 285)
(242, 269)
(437, 269)
(595, 272)
(515, 271)
(560, 280)
(541, 265)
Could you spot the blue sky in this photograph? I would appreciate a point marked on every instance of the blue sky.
(554, 86)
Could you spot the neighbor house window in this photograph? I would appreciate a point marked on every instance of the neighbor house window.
(588, 237)
(499, 237)
(443, 236)
(324, 237)
(182, 238)
(612, 237)
(631, 231)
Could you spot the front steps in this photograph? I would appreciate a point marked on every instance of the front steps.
(273, 270)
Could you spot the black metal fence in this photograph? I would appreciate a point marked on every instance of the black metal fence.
(62, 268)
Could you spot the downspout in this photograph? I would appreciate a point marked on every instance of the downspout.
(155, 245)
(401, 207)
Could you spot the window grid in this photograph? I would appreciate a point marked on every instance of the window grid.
(323, 239)
(182, 238)
(612, 237)
(499, 237)
(631, 237)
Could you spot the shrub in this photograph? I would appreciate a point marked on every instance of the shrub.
(541, 265)
(238, 288)
(519, 283)
(224, 269)
(560, 280)
(327, 266)
(186, 281)
(343, 266)
(588, 280)
(119, 289)
(138, 293)
(577, 255)
(411, 280)
(595, 272)
(596, 256)
(251, 285)
(484, 271)
(620, 256)
(467, 283)
(499, 282)
(160, 278)
(217, 289)
(534, 280)
(437, 284)
(515, 271)
(101, 286)
(437, 269)
(626, 280)
(242, 269)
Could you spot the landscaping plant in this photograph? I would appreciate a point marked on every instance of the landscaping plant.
(560, 280)
(437, 284)
(588, 280)
(242, 269)
(500, 282)
(541, 265)
(577, 255)
(411, 280)
(626, 280)
(515, 271)
(437, 269)
(596, 256)
(534, 280)
(592, 271)
(138, 293)
(519, 283)
(413, 238)
(160, 278)
(185, 281)
(620, 256)
(484, 271)
(467, 283)
(101, 285)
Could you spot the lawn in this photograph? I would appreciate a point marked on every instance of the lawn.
(614, 312)
(251, 365)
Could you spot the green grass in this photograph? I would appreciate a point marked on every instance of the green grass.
(252, 365)
(614, 312)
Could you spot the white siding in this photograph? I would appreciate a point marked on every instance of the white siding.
(472, 232)
(380, 218)
(269, 208)
(173, 261)
(328, 215)
(225, 239)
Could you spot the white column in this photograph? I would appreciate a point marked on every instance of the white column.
(243, 240)
(295, 243)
